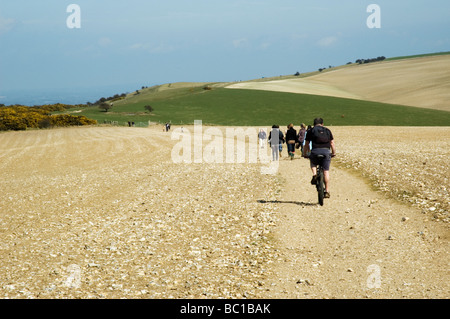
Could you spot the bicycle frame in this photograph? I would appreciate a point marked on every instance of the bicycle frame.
(320, 183)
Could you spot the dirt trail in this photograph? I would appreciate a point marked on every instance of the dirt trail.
(103, 212)
(336, 251)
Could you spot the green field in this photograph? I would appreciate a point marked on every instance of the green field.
(236, 107)
(417, 56)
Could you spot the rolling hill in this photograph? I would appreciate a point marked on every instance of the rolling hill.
(395, 92)
(419, 81)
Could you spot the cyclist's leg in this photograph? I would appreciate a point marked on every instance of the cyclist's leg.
(326, 176)
(314, 169)
(313, 165)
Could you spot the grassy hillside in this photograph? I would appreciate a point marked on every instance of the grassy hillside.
(418, 56)
(251, 107)
(237, 107)
(132, 107)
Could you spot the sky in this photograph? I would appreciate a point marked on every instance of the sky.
(114, 46)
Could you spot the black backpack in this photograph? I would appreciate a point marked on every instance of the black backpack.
(321, 135)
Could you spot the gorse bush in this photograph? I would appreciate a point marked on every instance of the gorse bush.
(19, 117)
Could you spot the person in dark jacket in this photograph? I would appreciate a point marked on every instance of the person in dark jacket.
(291, 138)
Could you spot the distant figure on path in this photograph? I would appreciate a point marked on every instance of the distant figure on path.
(301, 137)
(276, 140)
(291, 137)
(262, 137)
(306, 134)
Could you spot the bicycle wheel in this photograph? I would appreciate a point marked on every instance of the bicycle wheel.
(320, 187)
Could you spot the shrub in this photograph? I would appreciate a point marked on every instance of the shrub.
(19, 117)
(105, 106)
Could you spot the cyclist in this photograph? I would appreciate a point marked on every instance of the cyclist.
(322, 141)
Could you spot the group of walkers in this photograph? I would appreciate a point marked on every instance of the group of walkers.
(311, 141)
(292, 139)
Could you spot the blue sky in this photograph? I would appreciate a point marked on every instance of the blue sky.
(134, 43)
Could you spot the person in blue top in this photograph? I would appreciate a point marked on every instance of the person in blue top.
(322, 143)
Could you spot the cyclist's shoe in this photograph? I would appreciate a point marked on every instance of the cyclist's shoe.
(314, 180)
(327, 195)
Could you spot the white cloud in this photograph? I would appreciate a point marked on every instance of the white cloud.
(6, 24)
(442, 42)
(265, 45)
(239, 43)
(161, 48)
(299, 36)
(139, 46)
(104, 41)
(328, 41)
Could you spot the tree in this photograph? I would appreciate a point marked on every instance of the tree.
(105, 106)
(149, 108)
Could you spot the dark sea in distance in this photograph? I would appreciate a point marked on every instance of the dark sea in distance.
(32, 97)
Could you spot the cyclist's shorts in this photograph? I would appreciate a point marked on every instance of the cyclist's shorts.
(317, 161)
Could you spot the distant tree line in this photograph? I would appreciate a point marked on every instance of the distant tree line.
(321, 69)
(113, 98)
(19, 117)
(359, 61)
(364, 61)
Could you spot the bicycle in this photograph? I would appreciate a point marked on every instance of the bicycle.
(320, 179)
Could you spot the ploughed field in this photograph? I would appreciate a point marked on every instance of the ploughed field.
(411, 163)
(105, 212)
